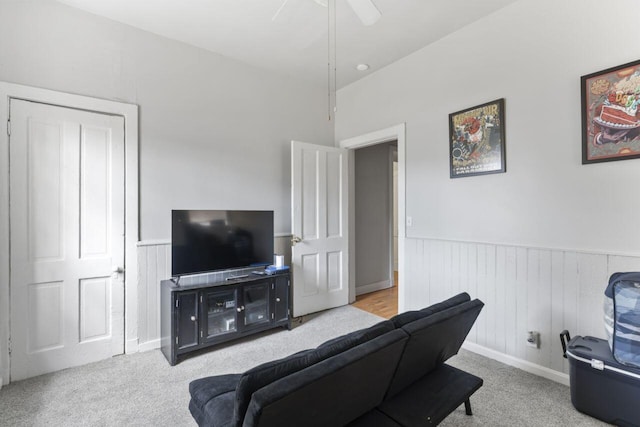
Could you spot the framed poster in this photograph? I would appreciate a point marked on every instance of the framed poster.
(476, 140)
(611, 114)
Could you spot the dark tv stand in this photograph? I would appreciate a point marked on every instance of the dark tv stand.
(194, 317)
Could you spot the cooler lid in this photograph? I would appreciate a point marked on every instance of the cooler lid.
(595, 352)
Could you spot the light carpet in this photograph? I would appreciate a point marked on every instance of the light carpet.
(143, 390)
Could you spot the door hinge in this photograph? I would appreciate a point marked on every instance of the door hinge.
(177, 303)
(8, 127)
(273, 316)
(201, 335)
(176, 340)
(10, 347)
(200, 299)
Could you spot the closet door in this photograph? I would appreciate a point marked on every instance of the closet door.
(67, 237)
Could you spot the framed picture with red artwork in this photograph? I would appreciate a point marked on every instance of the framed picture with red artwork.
(476, 140)
(611, 114)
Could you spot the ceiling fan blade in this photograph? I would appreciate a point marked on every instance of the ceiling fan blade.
(366, 11)
(275, 15)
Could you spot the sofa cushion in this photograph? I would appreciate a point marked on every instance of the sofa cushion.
(263, 374)
(269, 372)
(432, 340)
(344, 342)
(410, 316)
(333, 392)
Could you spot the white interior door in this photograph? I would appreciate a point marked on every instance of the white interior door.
(67, 237)
(320, 227)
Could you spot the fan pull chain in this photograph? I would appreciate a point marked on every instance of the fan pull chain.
(331, 46)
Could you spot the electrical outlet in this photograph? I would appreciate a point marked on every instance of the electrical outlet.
(533, 339)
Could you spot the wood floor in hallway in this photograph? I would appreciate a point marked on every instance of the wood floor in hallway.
(383, 303)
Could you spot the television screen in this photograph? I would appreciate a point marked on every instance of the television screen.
(210, 240)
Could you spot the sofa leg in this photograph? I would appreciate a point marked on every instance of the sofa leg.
(467, 407)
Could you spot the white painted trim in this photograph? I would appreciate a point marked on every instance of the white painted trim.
(149, 345)
(532, 368)
(372, 287)
(397, 133)
(516, 245)
(130, 114)
(158, 242)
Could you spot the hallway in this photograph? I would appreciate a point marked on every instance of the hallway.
(383, 303)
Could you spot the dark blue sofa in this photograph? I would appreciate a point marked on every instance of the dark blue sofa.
(391, 374)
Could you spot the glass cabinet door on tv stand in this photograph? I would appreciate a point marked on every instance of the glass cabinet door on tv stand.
(220, 313)
(255, 304)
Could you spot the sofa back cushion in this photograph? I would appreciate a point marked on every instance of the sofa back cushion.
(332, 392)
(410, 316)
(269, 372)
(432, 340)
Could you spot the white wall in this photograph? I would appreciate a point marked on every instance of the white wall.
(214, 133)
(531, 53)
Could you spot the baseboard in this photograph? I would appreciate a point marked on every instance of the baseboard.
(149, 345)
(131, 346)
(372, 287)
(526, 366)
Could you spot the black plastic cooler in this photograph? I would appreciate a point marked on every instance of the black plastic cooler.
(600, 386)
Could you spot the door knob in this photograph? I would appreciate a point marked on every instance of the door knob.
(117, 269)
(295, 239)
(277, 299)
(193, 318)
(240, 309)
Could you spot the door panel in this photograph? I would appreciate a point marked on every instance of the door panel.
(281, 310)
(67, 236)
(95, 304)
(43, 185)
(255, 303)
(95, 182)
(44, 316)
(187, 324)
(334, 269)
(319, 223)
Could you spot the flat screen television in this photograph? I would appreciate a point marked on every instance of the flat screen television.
(212, 240)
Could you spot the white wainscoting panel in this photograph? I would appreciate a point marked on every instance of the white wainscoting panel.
(154, 265)
(524, 289)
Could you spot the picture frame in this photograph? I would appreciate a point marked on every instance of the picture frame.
(610, 101)
(477, 140)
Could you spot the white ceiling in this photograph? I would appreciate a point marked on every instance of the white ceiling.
(295, 43)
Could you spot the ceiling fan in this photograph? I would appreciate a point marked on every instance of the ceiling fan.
(366, 11)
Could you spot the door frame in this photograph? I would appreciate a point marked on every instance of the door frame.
(393, 133)
(129, 112)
